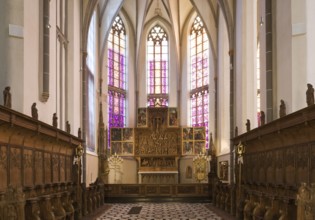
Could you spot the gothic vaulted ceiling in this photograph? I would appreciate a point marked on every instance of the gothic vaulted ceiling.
(174, 12)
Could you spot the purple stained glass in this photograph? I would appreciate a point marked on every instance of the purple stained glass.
(116, 75)
(110, 64)
(158, 82)
(157, 58)
(122, 71)
(116, 110)
(116, 69)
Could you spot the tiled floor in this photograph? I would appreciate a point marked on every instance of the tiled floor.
(155, 211)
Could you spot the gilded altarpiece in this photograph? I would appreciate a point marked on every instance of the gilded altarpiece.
(157, 148)
(157, 144)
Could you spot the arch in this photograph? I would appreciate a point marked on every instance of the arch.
(185, 66)
(111, 9)
(206, 14)
(91, 5)
(228, 16)
(157, 71)
(173, 61)
(199, 76)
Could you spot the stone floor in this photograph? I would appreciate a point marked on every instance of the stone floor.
(163, 211)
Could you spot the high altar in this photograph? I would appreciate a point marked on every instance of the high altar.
(163, 150)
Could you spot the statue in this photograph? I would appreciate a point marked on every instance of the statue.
(79, 133)
(262, 118)
(282, 111)
(55, 120)
(34, 111)
(248, 125)
(7, 97)
(236, 132)
(68, 128)
(310, 94)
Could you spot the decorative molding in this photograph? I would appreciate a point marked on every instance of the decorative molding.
(27, 160)
(3, 157)
(15, 158)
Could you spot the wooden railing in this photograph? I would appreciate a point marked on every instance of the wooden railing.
(156, 190)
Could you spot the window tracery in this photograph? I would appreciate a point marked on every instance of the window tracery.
(199, 76)
(116, 63)
(157, 67)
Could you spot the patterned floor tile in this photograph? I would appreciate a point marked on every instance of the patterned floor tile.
(160, 211)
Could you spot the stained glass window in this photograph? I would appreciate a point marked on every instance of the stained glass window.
(199, 76)
(157, 67)
(258, 82)
(90, 63)
(116, 64)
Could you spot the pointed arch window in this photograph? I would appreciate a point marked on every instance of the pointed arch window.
(157, 67)
(116, 63)
(90, 71)
(258, 83)
(199, 76)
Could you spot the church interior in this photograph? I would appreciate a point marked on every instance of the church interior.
(202, 109)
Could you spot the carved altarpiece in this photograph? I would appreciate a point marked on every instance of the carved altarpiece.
(157, 148)
(156, 145)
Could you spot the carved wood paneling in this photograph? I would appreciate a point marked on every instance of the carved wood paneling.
(47, 168)
(39, 164)
(55, 167)
(30, 151)
(144, 190)
(302, 163)
(312, 163)
(279, 178)
(285, 150)
(270, 167)
(62, 163)
(15, 166)
(3, 167)
(289, 156)
(68, 168)
(28, 167)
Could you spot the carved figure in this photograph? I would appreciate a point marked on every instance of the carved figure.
(55, 120)
(79, 133)
(34, 111)
(248, 125)
(68, 127)
(262, 118)
(7, 97)
(310, 94)
(173, 117)
(236, 132)
(282, 111)
(142, 117)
